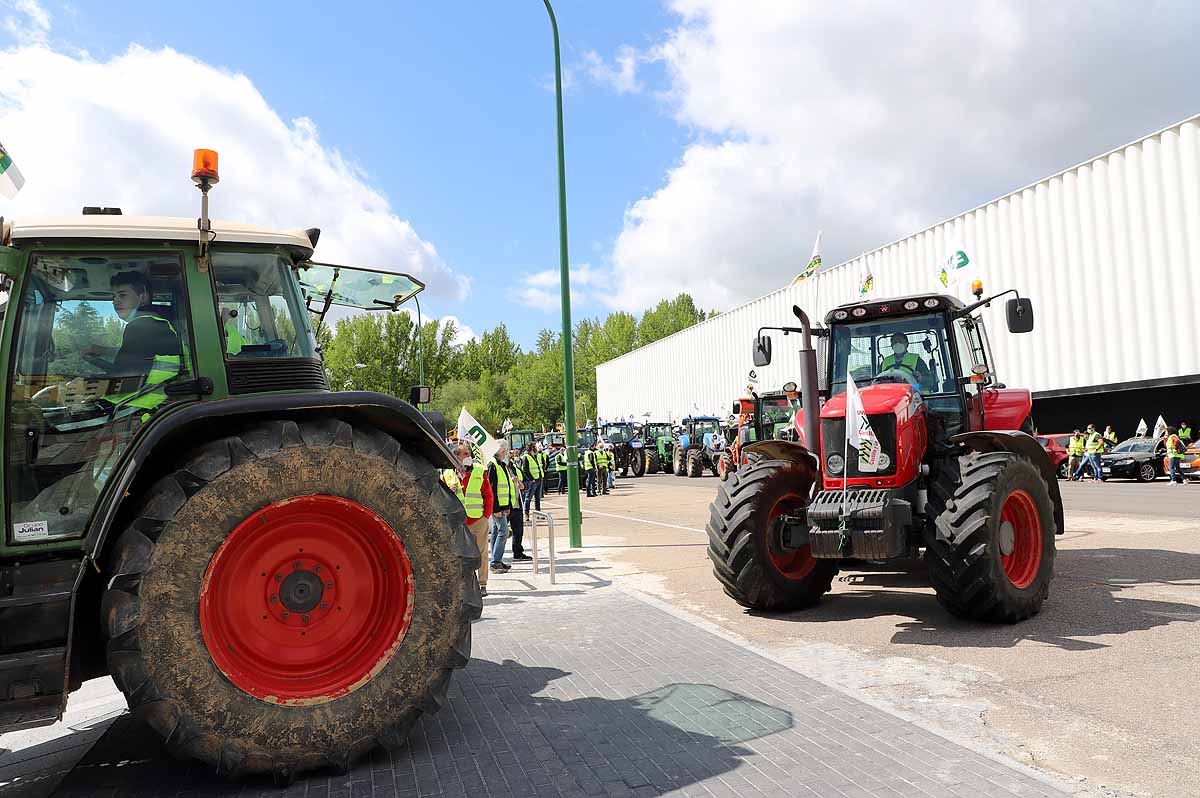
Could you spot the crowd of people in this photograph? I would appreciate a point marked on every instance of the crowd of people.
(499, 495)
(1084, 451)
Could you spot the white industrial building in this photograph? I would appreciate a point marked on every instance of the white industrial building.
(1119, 234)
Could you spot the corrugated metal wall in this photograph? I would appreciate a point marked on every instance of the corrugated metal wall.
(1120, 232)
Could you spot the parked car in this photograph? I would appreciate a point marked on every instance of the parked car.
(1056, 446)
(1136, 458)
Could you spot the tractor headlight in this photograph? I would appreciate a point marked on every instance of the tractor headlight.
(834, 463)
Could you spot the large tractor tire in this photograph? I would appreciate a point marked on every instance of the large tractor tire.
(991, 550)
(637, 462)
(653, 462)
(678, 462)
(695, 463)
(712, 463)
(290, 597)
(744, 539)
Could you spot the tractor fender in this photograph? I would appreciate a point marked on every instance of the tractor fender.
(783, 450)
(1023, 444)
(189, 425)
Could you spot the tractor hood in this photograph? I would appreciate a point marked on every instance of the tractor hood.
(887, 397)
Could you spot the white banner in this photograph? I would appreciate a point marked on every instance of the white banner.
(858, 429)
(1160, 428)
(482, 444)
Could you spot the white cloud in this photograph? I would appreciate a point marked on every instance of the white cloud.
(871, 121)
(464, 332)
(27, 21)
(121, 132)
(621, 75)
(541, 290)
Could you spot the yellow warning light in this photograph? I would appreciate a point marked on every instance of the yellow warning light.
(204, 166)
(977, 288)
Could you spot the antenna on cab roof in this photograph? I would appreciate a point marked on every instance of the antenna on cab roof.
(205, 176)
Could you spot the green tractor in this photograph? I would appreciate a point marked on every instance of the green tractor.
(627, 447)
(659, 438)
(274, 574)
(518, 439)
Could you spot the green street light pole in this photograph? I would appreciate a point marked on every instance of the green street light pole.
(572, 436)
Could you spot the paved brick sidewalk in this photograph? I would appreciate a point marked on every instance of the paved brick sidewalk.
(598, 693)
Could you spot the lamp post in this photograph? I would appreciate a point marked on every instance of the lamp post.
(572, 437)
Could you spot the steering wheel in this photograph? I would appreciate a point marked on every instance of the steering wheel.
(896, 374)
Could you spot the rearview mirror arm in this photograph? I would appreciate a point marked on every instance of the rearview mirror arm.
(971, 308)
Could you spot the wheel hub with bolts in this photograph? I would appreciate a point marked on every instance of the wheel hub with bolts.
(306, 599)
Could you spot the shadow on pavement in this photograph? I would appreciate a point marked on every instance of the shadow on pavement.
(502, 731)
(1086, 601)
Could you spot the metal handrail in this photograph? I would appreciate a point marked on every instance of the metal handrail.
(535, 514)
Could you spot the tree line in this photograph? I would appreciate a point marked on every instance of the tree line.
(491, 375)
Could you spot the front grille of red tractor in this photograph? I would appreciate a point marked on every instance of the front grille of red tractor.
(833, 441)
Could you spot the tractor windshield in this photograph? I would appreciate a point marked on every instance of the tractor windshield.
(100, 336)
(776, 415)
(587, 437)
(618, 433)
(706, 426)
(656, 431)
(911, 349)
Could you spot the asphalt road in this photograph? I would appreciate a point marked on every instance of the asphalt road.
(1101, 685)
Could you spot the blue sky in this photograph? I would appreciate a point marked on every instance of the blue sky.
(708, 141)
(447, 110)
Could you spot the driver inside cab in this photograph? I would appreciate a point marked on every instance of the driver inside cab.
(914, 368)
(150, 350)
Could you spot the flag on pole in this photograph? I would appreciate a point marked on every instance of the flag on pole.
(866, 280)
(859, 434)
(506, 427)
(483, 446)
(10, 176)
(814, 263)
(1142, 429)
(1160, 428)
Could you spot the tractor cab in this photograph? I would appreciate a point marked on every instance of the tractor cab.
(518, 439)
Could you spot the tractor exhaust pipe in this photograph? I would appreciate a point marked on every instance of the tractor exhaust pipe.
(809, 396)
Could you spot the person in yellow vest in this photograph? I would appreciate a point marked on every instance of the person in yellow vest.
(601, 455)
(470, 484)
(1185, 432)
(905, 361)
(1091, 454)
(150, 352)
(1075, 449)
(1175, 450)
(505, 500)
(588, 464)
(535, 469)
(1110, 438)
(234, 340)
(559, 457)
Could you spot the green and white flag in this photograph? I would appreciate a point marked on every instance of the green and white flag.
(10, 176)
(814, 263)
(483, 446)
(866, 280)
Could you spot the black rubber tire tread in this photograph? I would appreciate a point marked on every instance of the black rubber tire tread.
(695, 466)
(737, 540)
(678, 462)
(156, 651)
(637, 462)
(653, 463)
(712, 465)
(961, 550)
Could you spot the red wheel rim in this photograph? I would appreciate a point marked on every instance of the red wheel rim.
(1021, 565)
(722, 468)
(306, 600)
(792, 563)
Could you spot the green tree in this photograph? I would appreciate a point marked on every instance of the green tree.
(667, 318)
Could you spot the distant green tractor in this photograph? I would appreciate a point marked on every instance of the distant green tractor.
(660, 442)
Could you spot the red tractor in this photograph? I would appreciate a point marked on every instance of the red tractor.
(761, 416)
(946, 465)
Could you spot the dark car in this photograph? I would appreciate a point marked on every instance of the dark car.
(1056, 446)
(1136, 458)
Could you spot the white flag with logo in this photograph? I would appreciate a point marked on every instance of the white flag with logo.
(1142, 429)
(866, 280)
(10, 176)
(1160, 428)
(482, 444)
(858, 429)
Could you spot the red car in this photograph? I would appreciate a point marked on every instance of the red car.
(1056, 446)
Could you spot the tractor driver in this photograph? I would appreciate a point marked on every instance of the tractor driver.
(150, 351)
(908, 363)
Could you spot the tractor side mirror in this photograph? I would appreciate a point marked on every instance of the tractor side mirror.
(1020, 315)
(419, 395)
(737, 408)
(762, 351)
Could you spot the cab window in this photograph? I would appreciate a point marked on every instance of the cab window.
(99, 339)
(262, 315)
